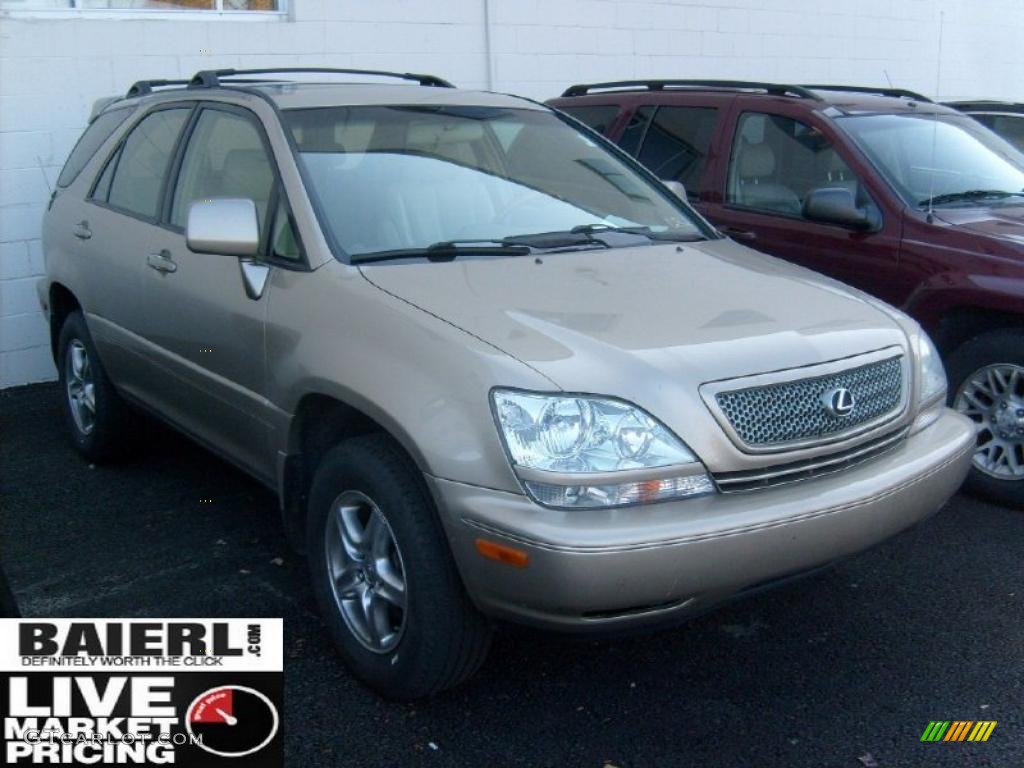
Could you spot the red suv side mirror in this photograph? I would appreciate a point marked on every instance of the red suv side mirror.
(835, 206)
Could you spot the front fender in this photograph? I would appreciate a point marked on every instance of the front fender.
(944, 292)
(424, 380)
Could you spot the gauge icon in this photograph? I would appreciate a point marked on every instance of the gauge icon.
(232, 721)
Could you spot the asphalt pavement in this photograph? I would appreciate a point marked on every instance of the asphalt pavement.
(843, 669)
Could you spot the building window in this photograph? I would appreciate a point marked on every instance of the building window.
(172, 6)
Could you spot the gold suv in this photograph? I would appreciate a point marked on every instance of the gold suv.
(491, 366)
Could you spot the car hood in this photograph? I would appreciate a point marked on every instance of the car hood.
(621, 321)
(1004, 222)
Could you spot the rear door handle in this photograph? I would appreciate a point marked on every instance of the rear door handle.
(162, 262)
(739, 234)
(82, 231)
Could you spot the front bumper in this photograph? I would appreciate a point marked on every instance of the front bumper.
(610, 569)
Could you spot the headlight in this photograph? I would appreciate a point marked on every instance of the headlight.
(578, 451)
(931, 384)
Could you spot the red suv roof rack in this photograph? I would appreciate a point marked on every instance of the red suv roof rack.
(900, 93)
(775, 89)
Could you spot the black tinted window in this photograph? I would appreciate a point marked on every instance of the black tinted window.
(600, 118)
(675, 147)
(98, 132)
(140, 172)
(634, 133)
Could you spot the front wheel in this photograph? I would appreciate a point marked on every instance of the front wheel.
(987, 385)
(383, 575)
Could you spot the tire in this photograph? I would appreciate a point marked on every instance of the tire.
(986, 383)
(439, 639)
(106, 435)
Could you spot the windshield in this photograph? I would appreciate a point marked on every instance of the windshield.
(945, 159)
(409, 177)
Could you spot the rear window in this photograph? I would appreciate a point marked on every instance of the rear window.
(99, 131)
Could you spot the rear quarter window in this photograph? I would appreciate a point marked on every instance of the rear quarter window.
(598, 117)
(99, 131)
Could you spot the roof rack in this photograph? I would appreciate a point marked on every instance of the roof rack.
(211, 78)
(901, 93)
(774, 89)
(959, 103)
(142, 87)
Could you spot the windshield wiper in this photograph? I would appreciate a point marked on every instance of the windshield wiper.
(967, 195)
(642, 230)
(447, 250)
(595, 236)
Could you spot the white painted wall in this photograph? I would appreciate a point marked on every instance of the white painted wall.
(51, 70)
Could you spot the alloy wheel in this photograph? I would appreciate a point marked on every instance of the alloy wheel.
(366, 571)
(993, 398)
(81, 389)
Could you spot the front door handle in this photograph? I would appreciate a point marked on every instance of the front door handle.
(739, 234)
(82, 231)
(162, 262)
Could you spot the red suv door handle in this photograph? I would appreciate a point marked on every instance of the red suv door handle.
(739, 234)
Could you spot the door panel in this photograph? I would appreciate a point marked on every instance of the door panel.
(206, 331)
(207, 336)
(113, 229)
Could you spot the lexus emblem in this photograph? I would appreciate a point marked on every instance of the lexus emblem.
(839, 402)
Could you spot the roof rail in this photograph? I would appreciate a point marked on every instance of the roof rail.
(774, 89)
(211, 78)
(142, 87)
(901, 93)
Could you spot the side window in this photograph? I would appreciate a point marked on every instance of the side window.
(225, 158)
(284, 243)
(635, 130)
(776, 161)
(1010, 127)
(102, 190)
(676, 144)
(99, 131)
(139, 175)
(598, 117)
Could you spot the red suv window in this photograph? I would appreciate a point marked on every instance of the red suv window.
(676, 143)
(776, 161)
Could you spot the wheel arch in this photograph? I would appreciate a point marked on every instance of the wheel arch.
(320, 421)
(960, 324)
(956, 308)
(62, 303)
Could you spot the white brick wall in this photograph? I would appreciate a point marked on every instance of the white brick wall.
(51, 71)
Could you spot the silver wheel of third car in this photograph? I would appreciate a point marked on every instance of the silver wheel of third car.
(366, 571)
(993, 397)
(81, 390)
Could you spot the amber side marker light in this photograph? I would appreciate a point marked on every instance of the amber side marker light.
(508, 555)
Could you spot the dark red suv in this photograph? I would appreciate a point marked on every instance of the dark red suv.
(909, 200)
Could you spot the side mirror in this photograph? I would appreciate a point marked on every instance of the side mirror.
(835, 205)
(676, 188)
(225, 226)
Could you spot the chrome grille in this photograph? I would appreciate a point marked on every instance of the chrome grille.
(793, 411)
(756, 479)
